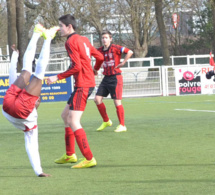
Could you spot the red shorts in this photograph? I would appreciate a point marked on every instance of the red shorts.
(18, 103)
(78, 98)
(112, 85)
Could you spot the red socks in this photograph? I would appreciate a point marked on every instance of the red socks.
(83, 144)
(102, 109)
(120, 114)
(70, 141)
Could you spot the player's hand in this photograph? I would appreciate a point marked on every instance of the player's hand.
(44, 175)
(95, 72)
(119, 65)
(13, 47)
(51, 79)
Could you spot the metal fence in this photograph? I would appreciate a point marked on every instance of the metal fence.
(138, 80)
(61, 64)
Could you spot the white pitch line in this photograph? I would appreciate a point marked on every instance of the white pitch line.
(191, 110)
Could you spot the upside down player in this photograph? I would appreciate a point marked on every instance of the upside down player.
(22, 99)
(80, 51)
(112, 82)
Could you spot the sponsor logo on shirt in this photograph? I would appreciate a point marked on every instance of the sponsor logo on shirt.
(109, 63)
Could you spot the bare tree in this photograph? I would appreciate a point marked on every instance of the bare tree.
(11, 14)
(21, 16)
(172, 7)
(162, 30)
(21, 32)
(213, 20)
(3, 29)
(140, 17)
(93, 16)
(50, 12)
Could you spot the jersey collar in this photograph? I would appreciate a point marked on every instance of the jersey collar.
(107, 48)
(71, 35)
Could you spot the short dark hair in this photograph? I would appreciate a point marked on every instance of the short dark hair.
(104, 32)
(68, 19)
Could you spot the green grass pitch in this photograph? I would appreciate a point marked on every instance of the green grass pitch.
(164, 152)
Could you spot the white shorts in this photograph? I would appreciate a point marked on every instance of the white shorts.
(24, 124)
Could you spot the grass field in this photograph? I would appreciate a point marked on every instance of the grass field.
(165, 151)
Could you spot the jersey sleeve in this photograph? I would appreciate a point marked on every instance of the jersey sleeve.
(120, 49)
(124, 50)
(75, 66)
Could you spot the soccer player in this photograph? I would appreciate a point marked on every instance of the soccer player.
(22, 99)
(112, 82)
(80, 51)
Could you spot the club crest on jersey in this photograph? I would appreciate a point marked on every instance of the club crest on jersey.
(110, 55)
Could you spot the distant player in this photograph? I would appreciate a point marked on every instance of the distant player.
(211, 73)
(112, 82)
(80, 51)
(22, 99)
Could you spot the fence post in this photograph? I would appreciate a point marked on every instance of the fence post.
(188, 60)
(152, 62)
(167, 83)
(172, 58)
(0, 54)
(194, 59)
(163, 75)
(91, 38)
(8, 53)
(65, 64)
(128, 64)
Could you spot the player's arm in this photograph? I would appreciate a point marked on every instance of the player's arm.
(75, 66)
(13, 65)
(99, 59)
(51, 79)
(128, 55)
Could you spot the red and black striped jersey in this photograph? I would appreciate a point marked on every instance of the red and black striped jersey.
(80, 51)
(112, 58)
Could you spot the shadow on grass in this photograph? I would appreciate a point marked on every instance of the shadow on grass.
(111, 165)
(165, 181)
(149, 165)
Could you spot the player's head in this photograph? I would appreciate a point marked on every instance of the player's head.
(67, 24)
(38, 103)
(106, 38)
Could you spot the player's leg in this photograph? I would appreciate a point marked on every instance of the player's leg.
(119, 111)
(21, 82)
(28, 58)
(101, 108)
(121, 116)
(69, 135)
(32, 149)
(116, 95)
(81, 139)
(77, 104)
(69, 156)
(102, 92)
(34, 87)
